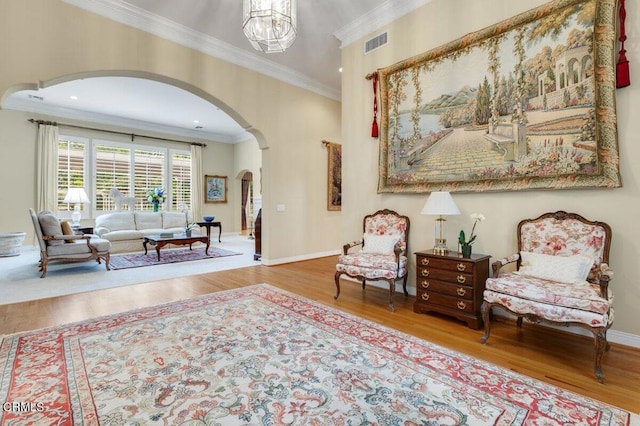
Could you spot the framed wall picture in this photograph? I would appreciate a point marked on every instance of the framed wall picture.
(215, 189)
(334, 184)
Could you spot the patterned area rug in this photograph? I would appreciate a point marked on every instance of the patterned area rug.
(136, 260)
(259, 355)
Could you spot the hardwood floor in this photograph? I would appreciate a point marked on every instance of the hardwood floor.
(555, 357)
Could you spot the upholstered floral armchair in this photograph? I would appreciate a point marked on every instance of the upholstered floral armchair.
(383, 255)
(562, 277)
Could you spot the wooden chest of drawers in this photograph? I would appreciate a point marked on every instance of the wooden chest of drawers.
(451, 285)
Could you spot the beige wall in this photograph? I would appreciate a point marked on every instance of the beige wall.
(437, 23)
(50, 41)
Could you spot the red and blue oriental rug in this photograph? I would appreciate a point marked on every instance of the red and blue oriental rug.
(259, 355)
(137, 260)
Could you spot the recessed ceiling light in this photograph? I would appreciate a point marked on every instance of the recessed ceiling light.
(74, 97)
(340, 69)
(196, 121)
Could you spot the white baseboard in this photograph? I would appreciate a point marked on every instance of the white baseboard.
(613, 336)
(272, 262)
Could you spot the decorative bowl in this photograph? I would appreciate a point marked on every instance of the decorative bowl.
(208, 218)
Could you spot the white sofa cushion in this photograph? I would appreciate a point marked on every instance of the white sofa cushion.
(147, 220)
(174, 220)
(116, 221)
(127, 234)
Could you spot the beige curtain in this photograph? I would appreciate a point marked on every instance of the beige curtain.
(197, 183)
(47, 168)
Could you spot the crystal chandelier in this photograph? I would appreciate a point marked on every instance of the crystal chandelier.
(270, 25)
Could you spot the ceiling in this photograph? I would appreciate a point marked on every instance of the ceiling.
(214, 27)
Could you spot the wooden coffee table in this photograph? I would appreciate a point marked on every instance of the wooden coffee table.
(180, 240)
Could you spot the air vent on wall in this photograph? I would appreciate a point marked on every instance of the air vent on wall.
(36, 97)
(375, 43)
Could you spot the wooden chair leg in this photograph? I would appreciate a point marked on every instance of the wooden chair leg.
(364, 283)
(404, 285)
(392, 290)
(43, 268)
(519, 322)
(337, 279)
(600, 336)
(486, 314)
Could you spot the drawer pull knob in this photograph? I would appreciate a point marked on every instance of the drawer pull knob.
(461, 291)
(425, 296)
(461, 305)
(461, 279)
(425, 261)
(425, 272)
(461, 267)
(425, 284)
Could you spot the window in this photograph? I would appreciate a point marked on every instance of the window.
(70, 168)
(112, 170)
(149, 174)
(180, 181)
(99, 166)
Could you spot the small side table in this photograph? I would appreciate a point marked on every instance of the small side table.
(209, 225)
(83, 230)
(451, 284)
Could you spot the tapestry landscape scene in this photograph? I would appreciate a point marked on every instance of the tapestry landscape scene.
(504, 109)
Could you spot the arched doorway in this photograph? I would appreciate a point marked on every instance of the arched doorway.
(246, 204)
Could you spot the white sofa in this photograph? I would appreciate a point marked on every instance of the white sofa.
(125, 230)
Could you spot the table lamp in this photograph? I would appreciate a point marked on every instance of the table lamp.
(76, 196)
(440, 203)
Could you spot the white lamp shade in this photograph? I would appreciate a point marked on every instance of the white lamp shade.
(440, 203)
(76, 196)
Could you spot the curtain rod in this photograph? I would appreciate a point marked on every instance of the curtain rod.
(133, 136)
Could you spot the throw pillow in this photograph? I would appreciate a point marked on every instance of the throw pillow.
(67, 230)
(50, 225)
(564, 269)
(380, 244)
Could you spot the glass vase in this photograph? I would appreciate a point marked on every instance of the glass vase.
(466, 250)
(155, 206)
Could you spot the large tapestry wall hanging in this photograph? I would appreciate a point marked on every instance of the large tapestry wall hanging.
(528, 103)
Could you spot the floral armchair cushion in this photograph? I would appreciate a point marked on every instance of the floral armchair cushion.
(560, 243)
(388, 224)
(564, 237)
(571, 243)
(372, 266)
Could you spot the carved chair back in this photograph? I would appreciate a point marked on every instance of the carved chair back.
(565, 234)
(388, 222)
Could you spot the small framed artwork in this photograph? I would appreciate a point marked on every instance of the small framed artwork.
(334, 183)
(215, 189)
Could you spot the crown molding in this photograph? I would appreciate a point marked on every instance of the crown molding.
(122, 122)
(141, 19)
(372, 21)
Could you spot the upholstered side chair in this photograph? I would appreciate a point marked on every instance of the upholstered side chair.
(562, 277)
(56, 245)
(383, 255)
